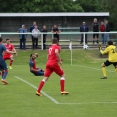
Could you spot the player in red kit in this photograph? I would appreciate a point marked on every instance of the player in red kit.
(53, 66)
(6, 55)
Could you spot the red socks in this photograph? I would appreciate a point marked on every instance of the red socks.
(40, 86)
(11, 61)
(62, 83)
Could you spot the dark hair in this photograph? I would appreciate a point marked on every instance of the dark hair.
(110, 42)
(7, 39)
(54, 41)
(31, 55)
(1, 39)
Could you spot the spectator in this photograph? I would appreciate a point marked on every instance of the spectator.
(23, 37)
(56, 31)
(35, 35)
(84, 28)
(102, 29)
(107, 30)
(44, 36)
(31, 28)
(95, 25)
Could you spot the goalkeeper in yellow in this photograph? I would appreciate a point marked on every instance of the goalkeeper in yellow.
(112, 57)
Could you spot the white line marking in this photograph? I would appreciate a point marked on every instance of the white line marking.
(91, 68)
(90, 103)
(52, 99)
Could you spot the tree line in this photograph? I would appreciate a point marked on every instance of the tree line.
(62, 6)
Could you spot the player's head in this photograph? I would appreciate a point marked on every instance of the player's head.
(109, 42)
(33, 56)
(1, 39)
(55, 41)
(7, 40)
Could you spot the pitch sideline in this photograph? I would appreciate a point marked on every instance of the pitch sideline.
(51, 98)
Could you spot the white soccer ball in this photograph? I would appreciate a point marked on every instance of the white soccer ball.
(85, 47)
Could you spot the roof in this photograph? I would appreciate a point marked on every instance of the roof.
(54, 14)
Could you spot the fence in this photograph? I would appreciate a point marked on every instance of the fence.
(66, 36)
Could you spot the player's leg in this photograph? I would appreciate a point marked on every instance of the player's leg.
(39, 73)
(47, 74)
(107, 63)
(11, 61)
(115, 65)
(60, 72)
(4, 72)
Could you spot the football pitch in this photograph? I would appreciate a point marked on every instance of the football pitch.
(89, 95)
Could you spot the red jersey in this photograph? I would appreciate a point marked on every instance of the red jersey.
(102, 28)
(52, 58)
(10, 47)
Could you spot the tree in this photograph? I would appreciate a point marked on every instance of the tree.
(39, 6)
(90, 5)
(110, 6)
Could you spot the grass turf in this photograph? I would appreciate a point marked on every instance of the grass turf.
(89, 95)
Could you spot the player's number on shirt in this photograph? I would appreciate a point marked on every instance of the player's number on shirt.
(50, 51)
(113, 51)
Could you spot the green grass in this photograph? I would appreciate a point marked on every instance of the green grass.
(89, 95)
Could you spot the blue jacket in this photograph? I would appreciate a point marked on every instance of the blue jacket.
(22, 31)
(31, 28)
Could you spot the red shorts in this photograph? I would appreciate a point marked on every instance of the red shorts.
(53, 67)
(5, 57)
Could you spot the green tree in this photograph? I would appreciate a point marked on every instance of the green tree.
(110, 6)
(89, 5)
(39, 6)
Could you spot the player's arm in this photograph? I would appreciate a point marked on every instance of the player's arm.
(10, 52)
(33, 70)
(105, 51)
(31, 67)
(58, 56)
(14, 50)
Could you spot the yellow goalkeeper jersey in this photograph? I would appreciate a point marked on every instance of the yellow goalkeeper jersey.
(112, 54)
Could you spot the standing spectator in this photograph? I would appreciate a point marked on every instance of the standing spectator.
(95, 25)
(102, 29)
(107, 30)
(23, 37)
(84, 28)
(56, 31)
(44, 36)
(35, 35)
(31, 28)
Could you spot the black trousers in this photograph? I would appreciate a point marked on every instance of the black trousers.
(34, 43)
(23, 43)
(56, 36)
(44, 41)
(82, 38)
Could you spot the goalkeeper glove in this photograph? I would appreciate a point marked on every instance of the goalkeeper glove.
(100, 47)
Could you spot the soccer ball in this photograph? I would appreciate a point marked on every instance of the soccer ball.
(85, 47)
